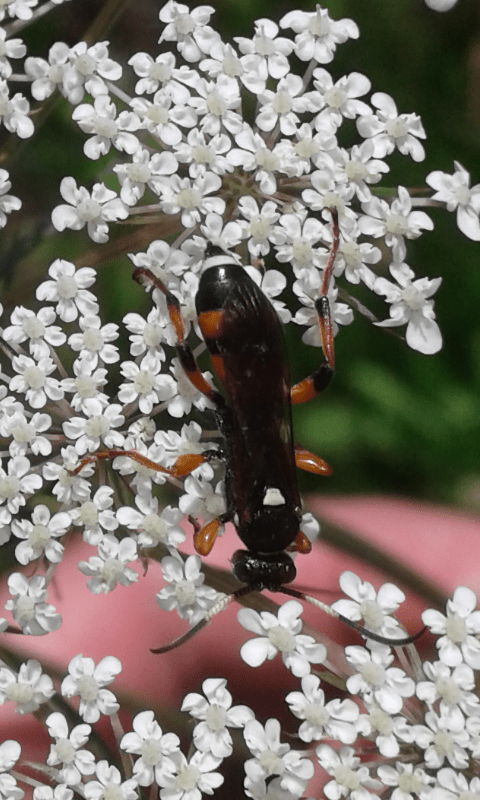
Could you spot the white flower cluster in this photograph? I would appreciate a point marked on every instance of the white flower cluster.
(264, 186)
(423, 722)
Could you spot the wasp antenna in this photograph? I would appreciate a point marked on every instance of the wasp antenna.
(216, 609)
(376, 637)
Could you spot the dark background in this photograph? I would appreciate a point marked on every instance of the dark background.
(394, 420)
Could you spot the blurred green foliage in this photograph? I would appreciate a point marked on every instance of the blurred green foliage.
(393, 420)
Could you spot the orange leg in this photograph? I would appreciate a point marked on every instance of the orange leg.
(309, 462)
(144, 276)
(316, 383)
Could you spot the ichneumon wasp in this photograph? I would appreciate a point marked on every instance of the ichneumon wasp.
(245, 340)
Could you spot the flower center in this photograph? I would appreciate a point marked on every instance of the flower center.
(88, 210)
(282, 639)
(216, 717)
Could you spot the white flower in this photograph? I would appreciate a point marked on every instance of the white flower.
(86, 69)
(340, 98)
(14, 113)
(441, 742)
(458, 630)
(186, 592)
(95, 210)
(96, 428)
(109, 567)
(268, 50)
(216, 715)
(189, 28)
(36, 328)
(453, 688)
(410, 305)
(190, 198)
(8, 202)
(26, 435)
(280, 634)
(395, 221)
(146, 386)
(454, 190)
(191, 777)
(335, 719)
(410, 782)
(29, 689)
(96, 515)
(154, 748)
(9, 754)
(216, 104)
(29, 608)
(88, 681)
(271, 757)
(371, 606)
(33, 380)
(282, 105)
(350, 779)
(152, 73)
(167, 113)
(144, 170)
(48, 75)
(152, 525)
(389, 130)
(110, 784)
(41, 535)
(94, 342)
(59, 792)
(100, 119)
(455, 786)
(68, 288)
(67, 750)
(317, 34)
(376, 679)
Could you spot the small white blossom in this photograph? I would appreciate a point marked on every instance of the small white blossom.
(410, 305)
(189, 28)
(317, 34)
(88, 682)
(9, 754)
(216, 714)
(68, 289)
(96, 515)
(28, 605)
(458, 630)
(271, 757)
(94, 210)
(371, 606)
(186, 592)
(388, 129)
(8, 202)
(335, 719)
(29, 689)
(68, 749)
(454, 190)
(106, 129)
(110, 784)
(152, 525)
(376, 679)
(109, 567)
(88, 68)
(14, 113)
(350, 778)
(40, 535)
(153, 747)
(191, 777)
(280, 634)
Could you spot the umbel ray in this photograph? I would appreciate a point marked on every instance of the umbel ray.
(244, 337)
